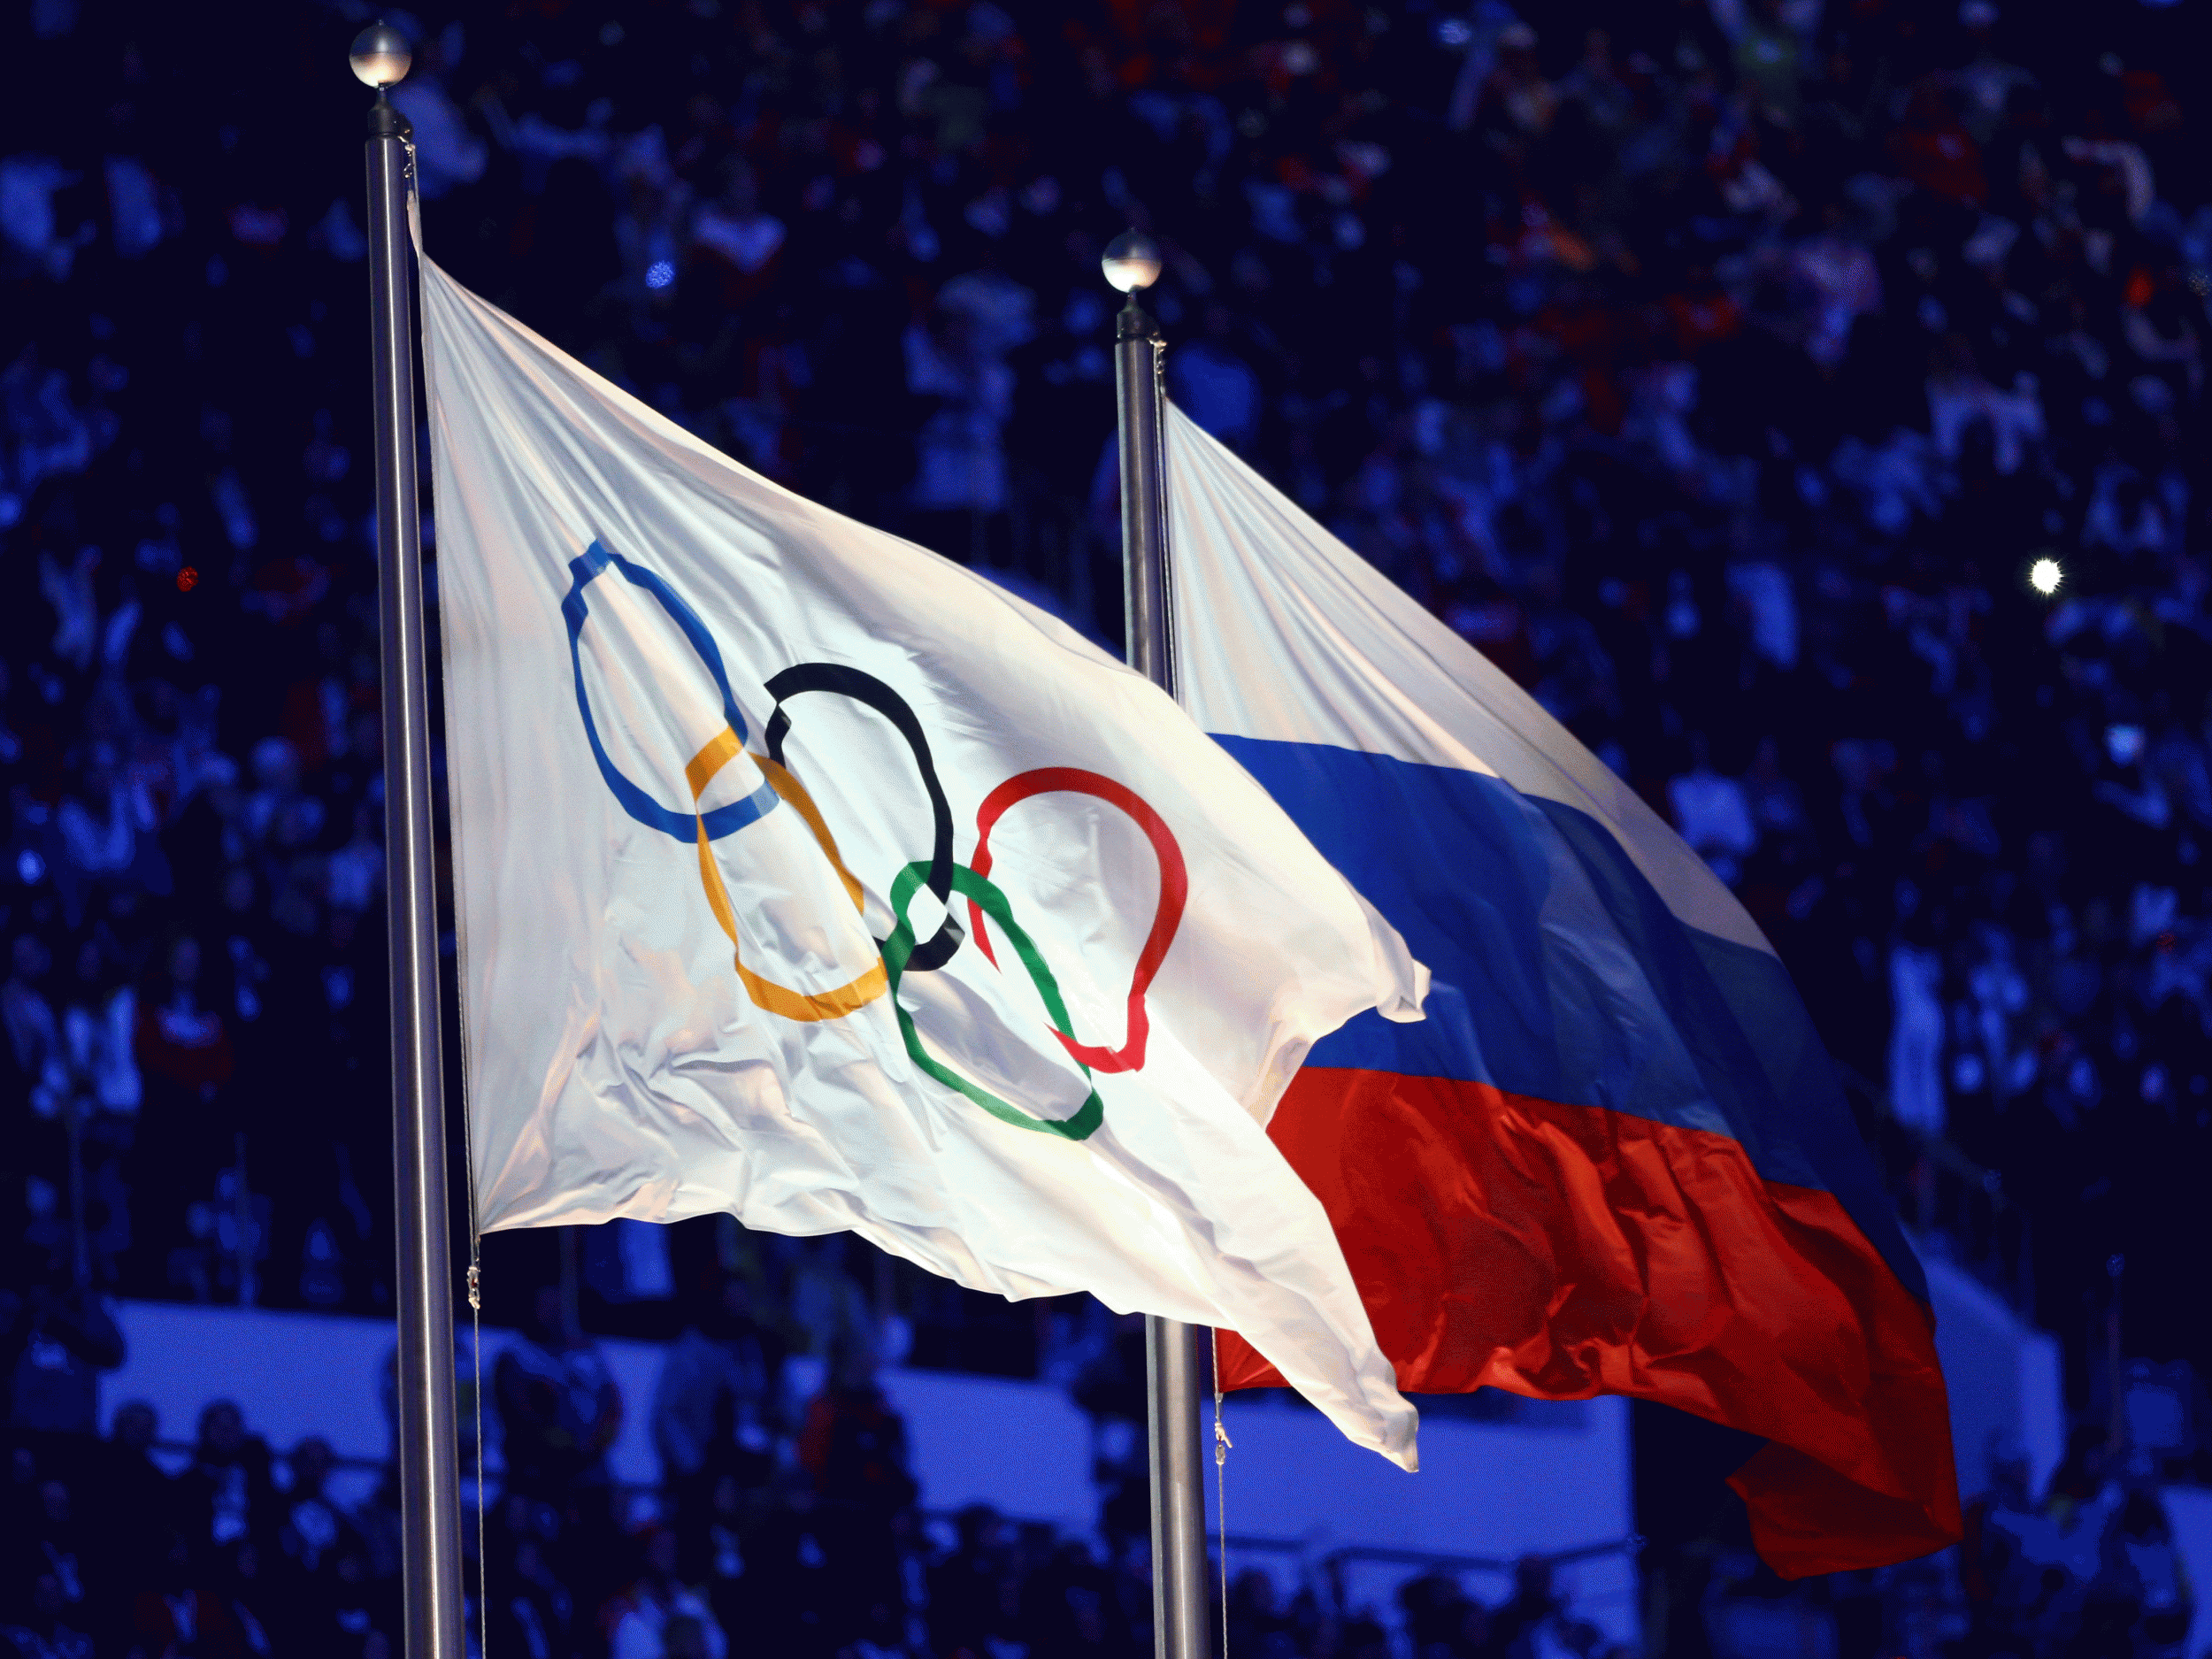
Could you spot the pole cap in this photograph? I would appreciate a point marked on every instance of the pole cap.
(381, 56)
(1132, 261)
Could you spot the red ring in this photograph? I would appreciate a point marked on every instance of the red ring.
(1166, 917)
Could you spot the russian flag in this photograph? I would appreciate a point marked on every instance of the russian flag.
(1615, 1158)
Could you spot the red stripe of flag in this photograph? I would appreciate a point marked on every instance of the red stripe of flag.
(1560, 1252)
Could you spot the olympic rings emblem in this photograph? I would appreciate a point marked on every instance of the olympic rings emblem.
(940, 874)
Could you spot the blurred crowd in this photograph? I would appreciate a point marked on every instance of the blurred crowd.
(787, 1520)
(1804, 398)
(2085, 1566)
(2092, 1569)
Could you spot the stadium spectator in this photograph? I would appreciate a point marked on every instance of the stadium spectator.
(227, 1500)
(558, 1404)
(641, 1619)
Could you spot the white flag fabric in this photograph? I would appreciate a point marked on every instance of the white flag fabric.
(709, 743)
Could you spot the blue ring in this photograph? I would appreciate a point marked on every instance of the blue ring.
(685, 826)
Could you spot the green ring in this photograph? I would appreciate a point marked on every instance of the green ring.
(900, 945)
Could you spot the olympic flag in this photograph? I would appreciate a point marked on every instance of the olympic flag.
(804, 875)
(1615, 1158)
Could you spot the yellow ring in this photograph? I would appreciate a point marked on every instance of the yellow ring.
(766, 993)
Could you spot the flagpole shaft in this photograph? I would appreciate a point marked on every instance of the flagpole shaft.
(1173, 1375)
(428, 1444)
(1179, 1623)
(1144, 591)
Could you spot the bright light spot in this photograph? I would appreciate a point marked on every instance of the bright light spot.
(2044, 576)
(659, 274)
(1455, 31)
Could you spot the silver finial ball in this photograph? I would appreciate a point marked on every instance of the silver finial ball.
(1132, 261)
(381, 56)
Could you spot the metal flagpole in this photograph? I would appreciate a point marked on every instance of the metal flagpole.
(1173, 1370)
(429, 1445)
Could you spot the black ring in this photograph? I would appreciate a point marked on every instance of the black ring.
(938, 948)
